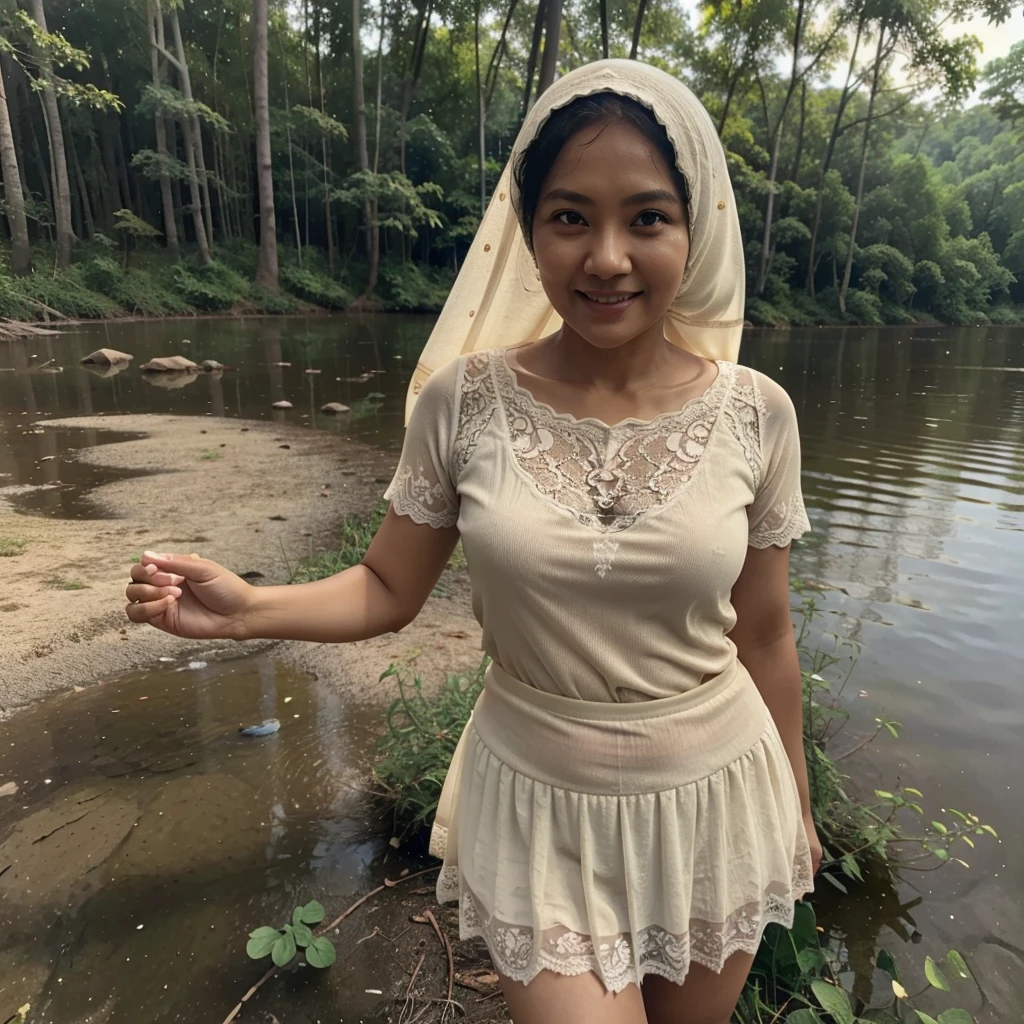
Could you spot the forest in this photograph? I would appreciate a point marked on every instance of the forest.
(180, 156)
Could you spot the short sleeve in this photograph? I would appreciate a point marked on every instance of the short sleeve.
(423, 487)
(777, 515)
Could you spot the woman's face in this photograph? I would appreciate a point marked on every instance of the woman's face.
(610, 235)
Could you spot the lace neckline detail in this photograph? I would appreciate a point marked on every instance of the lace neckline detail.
(606, 477)
(511, 382)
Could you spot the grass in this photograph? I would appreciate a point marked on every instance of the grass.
(11, 546)
(60, 583)
(210, 453)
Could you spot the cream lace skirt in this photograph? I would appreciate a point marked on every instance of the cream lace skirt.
(623, 839)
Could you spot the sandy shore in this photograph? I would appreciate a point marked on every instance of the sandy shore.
(221, 507)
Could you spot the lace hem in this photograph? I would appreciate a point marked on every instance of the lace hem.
(783, 524)
(412, 495)
(624, 959)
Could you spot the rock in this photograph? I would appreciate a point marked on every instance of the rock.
(335, 407)
(283, 405)
(266, 728)
(314, 371)
(173, 379)
(106, 357)
(8, 789)
(1000, 976)
(211, 364)
(169, 364)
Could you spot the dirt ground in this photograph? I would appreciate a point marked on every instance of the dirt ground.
(258, 506)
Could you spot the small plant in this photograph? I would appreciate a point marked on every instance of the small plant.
(282, 944)
(11, 546)
(10, 606)
(60, 583)
(210, 453)
(356, 534)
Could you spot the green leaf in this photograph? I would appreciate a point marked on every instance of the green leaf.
(912, 791)
(957, 962)
(991, 831)
(284, 950)
(313, 912)
(320, 953)
(851, 867)
(885, 961)
(833, 1000)
(941, 854)
(939, 827)
(954, 1015)
(810, 961)
(884, 794)
(804, 1017)
(303, 936)
(934, 975)
(297, 916)
(261, 942)
(925, 1018)
(835, 881)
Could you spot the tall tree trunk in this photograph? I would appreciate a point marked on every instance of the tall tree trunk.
(494, 66)
(166, 199)
(372, 231)
(83, 191)
(876, 74)
(776, 146)
(291, 159)
(552, 37)
(480, 112)
(531, 64)
(21, 256)
(850, 87)
(266, 266)
(194, 135)
(798, 158)
(58, 160)
(420, 36)
(603, 5)
(328, 215)
(198, 224)
(637, 28)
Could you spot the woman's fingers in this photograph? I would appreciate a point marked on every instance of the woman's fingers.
(146, 611)
(189, 567)
(150, 574)
(145, 592)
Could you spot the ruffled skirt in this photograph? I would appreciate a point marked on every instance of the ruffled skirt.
(623, 839)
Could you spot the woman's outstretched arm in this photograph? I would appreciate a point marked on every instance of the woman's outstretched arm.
(193, 597)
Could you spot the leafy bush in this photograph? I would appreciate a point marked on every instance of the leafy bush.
(315, 288)
(282, 944)
(202, 289)
(67, 292)
(269, 302)
(764, 314)
(412, 288)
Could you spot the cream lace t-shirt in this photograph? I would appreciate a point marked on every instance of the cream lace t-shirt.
(602, 558)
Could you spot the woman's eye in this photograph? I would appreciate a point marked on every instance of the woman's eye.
(650, 219)
(570, 218)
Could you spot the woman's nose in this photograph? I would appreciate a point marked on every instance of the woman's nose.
(609, 256)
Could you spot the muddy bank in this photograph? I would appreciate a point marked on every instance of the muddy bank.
(247, 494)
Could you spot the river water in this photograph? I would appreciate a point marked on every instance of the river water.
(914, 480)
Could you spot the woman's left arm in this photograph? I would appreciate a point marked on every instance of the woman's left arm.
(764, 640)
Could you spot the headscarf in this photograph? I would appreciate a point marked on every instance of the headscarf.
(497, 300)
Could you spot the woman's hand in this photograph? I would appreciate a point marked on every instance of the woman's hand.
(189, 596)
(813, 841)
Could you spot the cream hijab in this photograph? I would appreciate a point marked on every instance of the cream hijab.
(497, 300)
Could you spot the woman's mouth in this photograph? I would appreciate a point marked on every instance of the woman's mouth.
(609, 303)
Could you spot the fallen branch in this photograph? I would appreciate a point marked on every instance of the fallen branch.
(388, 884)
(409, 1005)
(429, 915)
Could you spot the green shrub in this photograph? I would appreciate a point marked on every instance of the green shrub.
(67, 292)
(202, 288)
(269, 302)
(412, 288)
(763, 314)
(315, 288)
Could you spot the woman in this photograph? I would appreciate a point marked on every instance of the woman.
(628, 807)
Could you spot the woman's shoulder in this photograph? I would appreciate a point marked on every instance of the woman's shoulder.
(759, 390)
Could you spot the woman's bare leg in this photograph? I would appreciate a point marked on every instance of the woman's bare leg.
(554, 999)
(703, 998)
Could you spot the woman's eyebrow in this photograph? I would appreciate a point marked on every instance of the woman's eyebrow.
(656, 195)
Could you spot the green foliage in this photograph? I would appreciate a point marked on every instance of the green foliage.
(420, 740)
(60, 583)
(413, 288)
(355, 536)
(316, 288)
(282, 944)
(278, 303)
(67, 292)
(11, 546)
(136, 227)
(210, 288)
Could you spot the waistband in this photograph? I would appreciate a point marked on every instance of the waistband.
(617, 749)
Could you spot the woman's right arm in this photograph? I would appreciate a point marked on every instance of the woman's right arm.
(193, 597)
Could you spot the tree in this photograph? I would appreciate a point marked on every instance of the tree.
(369, 204)
(21, 257)
(266, 267)
(55, 134)
(154, 31)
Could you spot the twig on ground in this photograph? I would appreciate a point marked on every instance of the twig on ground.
(429, 915)
(410, 1002)
(388, 884)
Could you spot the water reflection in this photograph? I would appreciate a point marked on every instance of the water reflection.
(149, 835)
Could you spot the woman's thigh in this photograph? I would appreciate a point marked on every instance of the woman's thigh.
(555, 999)
(704, 997)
